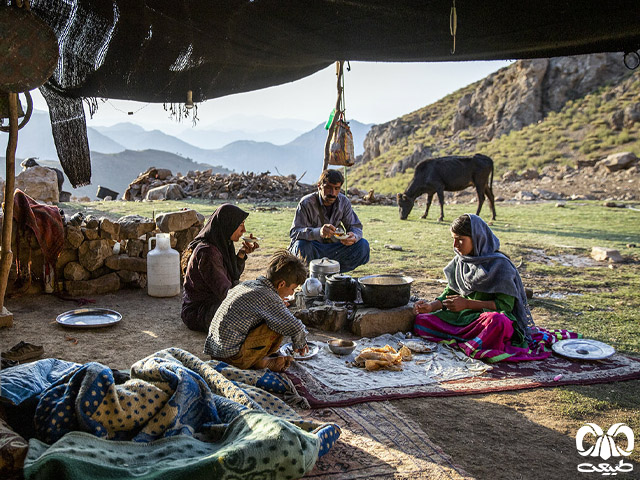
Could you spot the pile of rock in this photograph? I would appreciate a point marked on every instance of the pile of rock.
(101, 255)
(161, 184)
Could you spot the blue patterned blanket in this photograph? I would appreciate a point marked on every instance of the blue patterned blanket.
(171, 395)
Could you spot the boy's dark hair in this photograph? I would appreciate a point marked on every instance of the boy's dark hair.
(286, 266)
(462, 225)
(330, 176)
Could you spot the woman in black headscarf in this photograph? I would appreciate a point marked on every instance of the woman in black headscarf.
(213, 267)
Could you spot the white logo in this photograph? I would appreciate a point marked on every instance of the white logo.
(605, 448)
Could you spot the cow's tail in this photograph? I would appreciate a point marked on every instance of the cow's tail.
(491, 181)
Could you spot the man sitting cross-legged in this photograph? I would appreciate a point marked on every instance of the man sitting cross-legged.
(314, 232)
(252, 320)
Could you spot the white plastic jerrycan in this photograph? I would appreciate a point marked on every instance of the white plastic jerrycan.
(163, 268)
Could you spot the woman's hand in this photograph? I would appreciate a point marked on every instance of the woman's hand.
(425, 307)
(247, 248)
(456, 303)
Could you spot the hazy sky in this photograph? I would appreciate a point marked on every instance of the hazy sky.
(374, 93)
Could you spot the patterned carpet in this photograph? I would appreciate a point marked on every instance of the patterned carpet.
(553, 371)
(377, 441)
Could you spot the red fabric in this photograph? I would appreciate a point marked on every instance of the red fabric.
(44, 221)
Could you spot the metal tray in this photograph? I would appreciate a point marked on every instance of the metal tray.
(583, 349)
(88, 318)
(287, 349)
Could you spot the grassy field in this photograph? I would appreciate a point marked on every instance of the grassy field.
(547, 243)
(599, 300)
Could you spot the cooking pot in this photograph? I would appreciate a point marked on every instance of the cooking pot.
(321, 268)
(385, 291)
(340, 288)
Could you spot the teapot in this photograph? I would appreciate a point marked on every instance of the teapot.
(312, 287)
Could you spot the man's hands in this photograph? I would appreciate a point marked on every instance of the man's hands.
(328, 231)
(349, 241)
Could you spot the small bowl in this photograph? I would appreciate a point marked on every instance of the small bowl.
(341, 347)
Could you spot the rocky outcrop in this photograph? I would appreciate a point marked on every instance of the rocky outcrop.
(522, 94)
(529, 90)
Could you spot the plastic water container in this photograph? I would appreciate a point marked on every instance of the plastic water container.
(163, 268)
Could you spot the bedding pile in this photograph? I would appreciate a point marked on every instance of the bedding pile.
(175, 414)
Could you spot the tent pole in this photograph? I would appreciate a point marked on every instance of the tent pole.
(9, 190)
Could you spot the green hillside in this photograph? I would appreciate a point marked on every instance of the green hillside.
(580, 132)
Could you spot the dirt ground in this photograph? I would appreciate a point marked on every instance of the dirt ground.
(499, 436)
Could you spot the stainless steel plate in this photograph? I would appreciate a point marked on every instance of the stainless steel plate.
(287, 349)
(89, 318)
(584, 349)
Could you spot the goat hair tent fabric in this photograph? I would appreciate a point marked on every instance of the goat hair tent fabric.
(158, 50)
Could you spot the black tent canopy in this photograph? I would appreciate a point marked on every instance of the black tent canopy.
(157, 50)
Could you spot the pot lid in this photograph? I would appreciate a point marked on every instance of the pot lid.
(325, 264)
(338, 277)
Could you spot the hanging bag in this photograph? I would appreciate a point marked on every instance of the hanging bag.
(341, 152)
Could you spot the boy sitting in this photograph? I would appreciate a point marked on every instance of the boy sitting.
(249, 325)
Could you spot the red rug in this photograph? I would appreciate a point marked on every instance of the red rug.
(551, 372)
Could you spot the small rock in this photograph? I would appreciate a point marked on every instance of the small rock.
(393, 247)
(603, 254)
(561, 204)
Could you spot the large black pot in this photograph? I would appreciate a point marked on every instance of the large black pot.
(340, 288)
(385, 291)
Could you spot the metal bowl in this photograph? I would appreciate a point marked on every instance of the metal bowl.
(341, 347)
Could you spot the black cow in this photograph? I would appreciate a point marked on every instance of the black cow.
(454, 173)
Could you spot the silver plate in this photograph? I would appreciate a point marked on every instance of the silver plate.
(287, 349)
(584, 349)
(88, 318)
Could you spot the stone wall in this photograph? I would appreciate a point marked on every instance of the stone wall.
(102, 255)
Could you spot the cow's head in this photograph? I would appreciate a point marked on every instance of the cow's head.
(405, 204)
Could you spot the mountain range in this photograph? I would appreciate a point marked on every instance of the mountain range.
(122, 151)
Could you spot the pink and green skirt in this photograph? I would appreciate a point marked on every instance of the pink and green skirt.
(488, 337)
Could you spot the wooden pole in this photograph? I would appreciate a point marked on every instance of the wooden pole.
(7, 255)
(327, 145)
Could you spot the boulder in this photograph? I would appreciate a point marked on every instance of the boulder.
(66, 255)
(133, 279)
(105, 284)
(618, 161)
(109, 229)
(93, 253)
(125, 262)
(602, 254)
(73, 236)
(40, 183)
(74, 271)
(184, 238)
(171, 191)
(176, 221)
(90, 233)
(135, 247)
(134, 226)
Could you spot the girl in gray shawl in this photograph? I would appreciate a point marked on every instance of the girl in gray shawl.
(483, 309)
